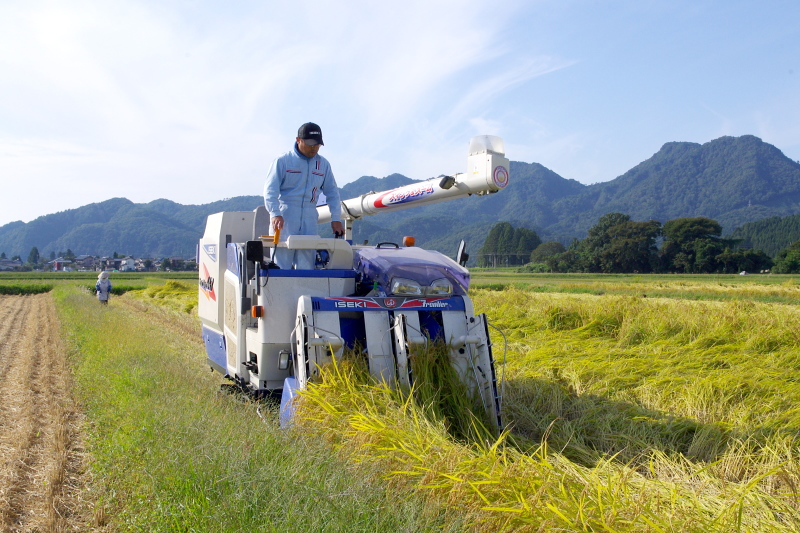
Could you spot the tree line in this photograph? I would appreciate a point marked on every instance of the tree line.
(617, 244)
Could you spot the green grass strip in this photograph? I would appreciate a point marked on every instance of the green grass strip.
(171, 453)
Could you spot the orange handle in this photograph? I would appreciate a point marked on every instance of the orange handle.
(276, 237)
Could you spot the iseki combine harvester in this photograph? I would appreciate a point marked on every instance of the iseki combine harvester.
(270, 330)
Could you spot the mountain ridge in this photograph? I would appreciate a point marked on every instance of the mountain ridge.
(734, 180)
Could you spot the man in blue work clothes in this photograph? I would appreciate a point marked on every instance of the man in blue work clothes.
(291, 193)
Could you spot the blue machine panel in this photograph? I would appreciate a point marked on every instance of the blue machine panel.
(215, 349)
(388, 303)
(233, 259)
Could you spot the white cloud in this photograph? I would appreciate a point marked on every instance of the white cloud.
(192, 101)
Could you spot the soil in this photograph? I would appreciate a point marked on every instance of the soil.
(42, 470)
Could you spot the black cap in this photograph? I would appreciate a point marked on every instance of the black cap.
(311, 134)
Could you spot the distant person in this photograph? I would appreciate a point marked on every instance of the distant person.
(291, 192)
(103, 287)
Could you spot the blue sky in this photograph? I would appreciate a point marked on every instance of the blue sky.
(191, 100)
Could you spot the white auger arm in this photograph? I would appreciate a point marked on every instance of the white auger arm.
(487, 172)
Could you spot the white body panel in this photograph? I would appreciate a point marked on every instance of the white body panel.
(279, 297)
(234, 325)
(221, 228)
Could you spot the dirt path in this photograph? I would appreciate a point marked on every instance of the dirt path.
(41, 450)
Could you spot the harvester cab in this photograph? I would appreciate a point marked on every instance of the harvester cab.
(270, 330)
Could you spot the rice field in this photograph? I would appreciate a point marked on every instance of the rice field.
(625, 413)
(632, 403)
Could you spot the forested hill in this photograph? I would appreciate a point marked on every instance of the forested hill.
(733, 180)
(771, 234)
(160, 228)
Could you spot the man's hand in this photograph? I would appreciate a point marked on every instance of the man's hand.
(338, 229)
(277, 222)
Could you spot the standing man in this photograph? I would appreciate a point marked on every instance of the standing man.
(291, 192)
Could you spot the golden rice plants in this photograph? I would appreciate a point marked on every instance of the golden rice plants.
(712, 382)
(496, 486)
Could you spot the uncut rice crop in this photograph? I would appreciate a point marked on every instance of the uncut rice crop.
(177, 295)
(625, 414)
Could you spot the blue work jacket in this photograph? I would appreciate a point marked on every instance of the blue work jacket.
(292, 190)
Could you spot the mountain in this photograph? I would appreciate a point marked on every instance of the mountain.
(160, 228)
(734, 180)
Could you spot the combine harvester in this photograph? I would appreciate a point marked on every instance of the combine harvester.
(270, 330)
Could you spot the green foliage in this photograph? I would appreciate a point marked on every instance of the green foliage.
(683, 230)
(743, 260)
(98, 229)
(617, 244)
(534, 268)
(632, 247)
(694, 245)
(33, 256)
(771, 234)
(508, 246)
(691, 244)
(788, 260)
(545, 250)
(568, 261)
(25, 288)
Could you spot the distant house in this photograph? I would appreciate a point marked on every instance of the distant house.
(114, 263)
(127, 264)
(60, 264)
(85, 262)
(145, 264)
(9, 264)
(120, 264)
(111, 263)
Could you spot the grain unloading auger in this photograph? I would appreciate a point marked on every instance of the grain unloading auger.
(271, 329)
